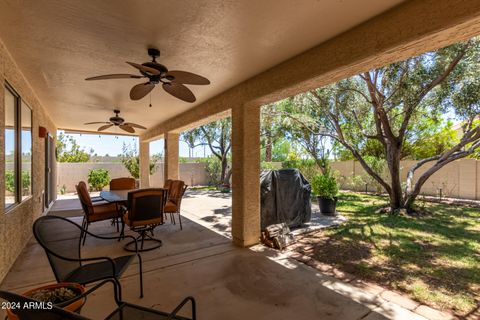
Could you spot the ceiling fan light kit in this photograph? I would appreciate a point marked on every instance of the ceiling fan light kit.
(118, 122)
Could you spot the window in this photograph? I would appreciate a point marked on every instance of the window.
(18, 149)
(26, 155)
(10, 149)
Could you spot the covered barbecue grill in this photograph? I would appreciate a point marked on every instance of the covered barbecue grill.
(285, 197)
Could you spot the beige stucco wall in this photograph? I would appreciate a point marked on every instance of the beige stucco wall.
(459, 179)
(16, 224)
(69, 174)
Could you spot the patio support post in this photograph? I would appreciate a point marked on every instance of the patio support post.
(171, 156)
(144, 164)
(245, 175)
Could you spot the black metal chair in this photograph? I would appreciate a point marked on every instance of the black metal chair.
(143, 214)
(61, 240)
(124, 311)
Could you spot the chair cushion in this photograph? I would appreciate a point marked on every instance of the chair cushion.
(122, 184)
(103, 212)
(175, 190)
(83, 193)
(170, 207)
(99, 270)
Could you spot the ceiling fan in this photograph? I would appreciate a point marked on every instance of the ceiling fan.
(119, 122)
(172, 81)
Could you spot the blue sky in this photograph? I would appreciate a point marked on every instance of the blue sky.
(27, 143)
(112, 145)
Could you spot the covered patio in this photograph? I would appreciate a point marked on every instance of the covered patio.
(227, 281)
(253, 54)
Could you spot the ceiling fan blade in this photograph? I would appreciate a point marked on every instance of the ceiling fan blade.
(127, 128)
(134, 125)
(115, 76)
(179, 91)
(187, 77)
(105, 127)
(143, 68)
(96, 122)
(141, 90)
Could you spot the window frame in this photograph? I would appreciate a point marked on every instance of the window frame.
(18, 149)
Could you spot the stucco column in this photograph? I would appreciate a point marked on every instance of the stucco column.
(171, 156)
(144, 164)
(245, 175)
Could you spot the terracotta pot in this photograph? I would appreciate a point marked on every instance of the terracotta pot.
(73, 307)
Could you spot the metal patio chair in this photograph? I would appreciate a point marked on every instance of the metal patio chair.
(124, 310)
(61, 240)
(144, 213)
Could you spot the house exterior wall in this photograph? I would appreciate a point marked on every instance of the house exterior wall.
(16, 223)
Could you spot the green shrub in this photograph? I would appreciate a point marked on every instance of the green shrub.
(307, 167)
(98, 178)
(213, 166)
(324, 186)
(26, 183)
(10, 182)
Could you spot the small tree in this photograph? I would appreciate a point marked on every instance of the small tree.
(131, 160)
(217, 136)
(193, 138)
(68, 150)
(98, 178)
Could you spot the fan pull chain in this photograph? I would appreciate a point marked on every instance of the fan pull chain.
(150, 105)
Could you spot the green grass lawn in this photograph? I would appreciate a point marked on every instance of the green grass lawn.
(435, 259)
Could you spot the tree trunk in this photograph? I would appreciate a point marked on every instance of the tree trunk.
(393, 162)
(268, 149)
(224, 170)
(228, 175)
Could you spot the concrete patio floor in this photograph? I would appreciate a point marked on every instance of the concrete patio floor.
(227, 282)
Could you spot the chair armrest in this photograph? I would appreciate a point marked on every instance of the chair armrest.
(103, 204)
(180, 306)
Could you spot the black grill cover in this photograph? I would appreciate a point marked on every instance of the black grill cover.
(285, 197)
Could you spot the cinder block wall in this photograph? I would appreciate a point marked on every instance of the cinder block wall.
(16, 224)
(458, 179)
(69, 174)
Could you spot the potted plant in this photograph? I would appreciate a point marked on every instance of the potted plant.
(326, 189)
(56, 294)
(225, 188)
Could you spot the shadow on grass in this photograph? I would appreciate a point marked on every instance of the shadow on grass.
(439, 253)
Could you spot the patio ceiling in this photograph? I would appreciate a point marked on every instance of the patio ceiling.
(58, 43)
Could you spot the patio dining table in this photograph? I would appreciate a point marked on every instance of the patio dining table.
(115, 196)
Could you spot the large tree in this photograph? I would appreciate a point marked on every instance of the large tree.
(217, 136)
(193, 138)
(272, 128)
(300, 124)
(68, 150)
(386, 107)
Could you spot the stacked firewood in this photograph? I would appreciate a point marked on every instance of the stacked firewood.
(277, 236)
